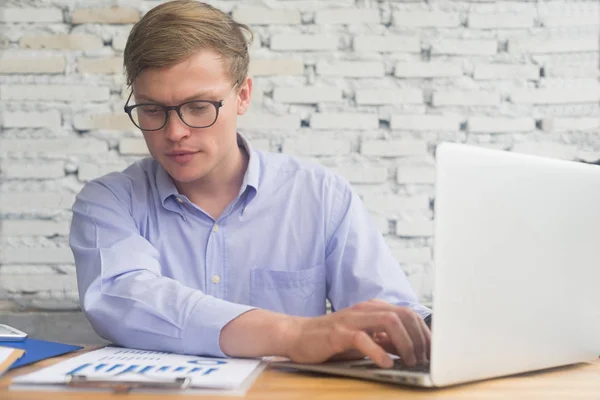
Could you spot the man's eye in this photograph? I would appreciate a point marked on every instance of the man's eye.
(150, 110)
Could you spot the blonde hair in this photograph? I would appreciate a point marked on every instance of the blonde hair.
(174, 31)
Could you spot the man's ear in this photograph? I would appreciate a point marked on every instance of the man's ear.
(244, 95)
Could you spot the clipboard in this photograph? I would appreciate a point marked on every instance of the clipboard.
(123, 370)
(125, 386)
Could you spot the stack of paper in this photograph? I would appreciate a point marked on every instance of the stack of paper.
(116, 364)
(8, 356)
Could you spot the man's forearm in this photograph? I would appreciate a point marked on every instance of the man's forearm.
(259, 333)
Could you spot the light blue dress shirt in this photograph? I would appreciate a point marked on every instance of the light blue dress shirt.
(156, 272)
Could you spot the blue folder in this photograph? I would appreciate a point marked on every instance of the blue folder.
(36, 350)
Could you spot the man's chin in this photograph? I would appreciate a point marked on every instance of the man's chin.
(187, 178)
(185, 175)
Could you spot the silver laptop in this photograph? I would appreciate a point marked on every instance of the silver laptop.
(517, 268)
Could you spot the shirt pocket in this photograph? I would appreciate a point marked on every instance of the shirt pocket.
(301, 292)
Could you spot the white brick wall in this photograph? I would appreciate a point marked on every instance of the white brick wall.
(363, 173)
(570, 71)
(393, 148)
(470, 98)
(100, 65)
(344, 121)
(260, 67)
(112, 15)
(351, 69)
(500, 20)
(119, 121)
(27, 14)
(558, 124)
(418, 228)
(265, 121)
(387, 44)
(266, 16)
(347, 16)
(500, 124)
(367, 87)
(61, 41)
(24, 62)
(53, 147)
(389, 96)
(43, 202)
(466, 47)
(133, 146)
(546, 149)
(63, 93)
(427, 70)
(506, 71)
(119, 42)
(415, 174)
(20, 119)
(423, 19)
(25, 170)
(393, 205)
(426, 123)
(24, 227)
(316, 146)
(88, 171)
(545, 46)
(580, 14)
(38, 282)
(589, 94)
(291, 42)
(37, 256)
(307, 95)
(411, 256)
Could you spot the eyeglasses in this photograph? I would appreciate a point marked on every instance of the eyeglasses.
(195, 113)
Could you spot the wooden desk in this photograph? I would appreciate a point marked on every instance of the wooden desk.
(581, 381)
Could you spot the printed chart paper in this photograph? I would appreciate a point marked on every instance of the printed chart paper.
(121, 364)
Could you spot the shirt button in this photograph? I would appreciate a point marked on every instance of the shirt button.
(216, 279)
(215, 228)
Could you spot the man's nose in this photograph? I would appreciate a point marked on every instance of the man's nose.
(175, 128)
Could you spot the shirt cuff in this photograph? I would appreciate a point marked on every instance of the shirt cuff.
(203, 330)
(423, 311)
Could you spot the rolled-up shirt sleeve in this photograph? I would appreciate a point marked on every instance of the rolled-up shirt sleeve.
(122, 290)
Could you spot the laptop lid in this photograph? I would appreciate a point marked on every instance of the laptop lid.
(517, 253)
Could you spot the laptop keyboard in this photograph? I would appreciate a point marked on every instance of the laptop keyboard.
(398, 366)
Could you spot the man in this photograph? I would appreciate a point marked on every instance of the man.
(211, 247)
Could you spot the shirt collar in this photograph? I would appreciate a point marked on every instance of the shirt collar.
(167, 188)
(252, 175)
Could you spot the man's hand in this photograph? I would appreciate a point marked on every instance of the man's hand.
(372, 328)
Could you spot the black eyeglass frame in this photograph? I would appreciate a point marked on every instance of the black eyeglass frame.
(215, 103)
